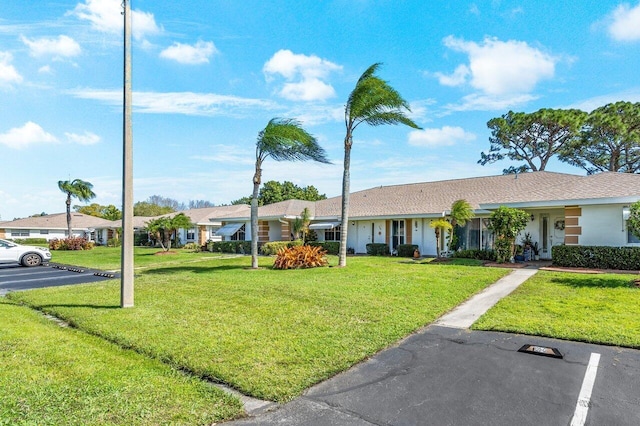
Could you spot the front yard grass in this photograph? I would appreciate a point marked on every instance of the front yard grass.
(55, 376)
(108, 258)
(600, 308)
(268, 333)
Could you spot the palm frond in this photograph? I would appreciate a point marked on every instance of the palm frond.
(286, 140)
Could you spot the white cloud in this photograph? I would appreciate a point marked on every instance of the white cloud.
(480, 102)
(187, 103)
(105, 16)
(87, 138)
(625, 23)
(445, 136)
(8, 73)
(21, 137)
(304, 75)
(588, 105)
(46, 69)
(63, 46)
(498, 67)
(227, 154)
(188, 54)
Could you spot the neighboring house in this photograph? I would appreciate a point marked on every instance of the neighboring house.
(54, 226)
(564, 209)
(208, 223)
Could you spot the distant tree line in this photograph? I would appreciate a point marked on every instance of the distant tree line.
(274, 192)
(606, 139)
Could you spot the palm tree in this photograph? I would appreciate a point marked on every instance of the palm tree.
(76, 188)
(461, 213)
(439, 226)
(373, 102)
(282, 140)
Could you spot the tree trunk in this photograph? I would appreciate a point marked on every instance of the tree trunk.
(342, 260)
(254, 215)
(69, 215)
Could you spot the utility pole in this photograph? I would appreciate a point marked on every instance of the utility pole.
(126, 279)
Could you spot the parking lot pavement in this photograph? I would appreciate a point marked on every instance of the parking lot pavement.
(15, 278)
(447, 376)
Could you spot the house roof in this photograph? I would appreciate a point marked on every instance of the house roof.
(203, 216)
(58, 221)
(432, 198)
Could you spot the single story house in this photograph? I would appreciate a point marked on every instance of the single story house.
(564, 209)
(54, 226)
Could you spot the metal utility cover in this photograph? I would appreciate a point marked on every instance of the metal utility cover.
(541, 350)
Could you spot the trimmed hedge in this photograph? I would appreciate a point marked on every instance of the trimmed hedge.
(596, 257)
(331, 247)
(475, 254)
(406, 250)
(377, 249)
(273, 247)
(31, 241)
(239, 247)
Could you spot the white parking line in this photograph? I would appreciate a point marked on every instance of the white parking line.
(582, 406)
(46, 271)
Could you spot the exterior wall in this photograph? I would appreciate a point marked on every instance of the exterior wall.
(35, 233)
(263, 231)
(275, 230)
(360, 234)
(202, 234)
(2, 233)
(285, 232)
(603, 226)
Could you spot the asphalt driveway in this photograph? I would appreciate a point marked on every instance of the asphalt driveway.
(15, 278)
(447, 376)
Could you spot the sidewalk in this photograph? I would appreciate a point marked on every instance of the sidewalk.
(467, 313)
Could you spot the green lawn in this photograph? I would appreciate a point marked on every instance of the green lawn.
(55, 376)
(601, 308)
(108, 258)
(268, 333)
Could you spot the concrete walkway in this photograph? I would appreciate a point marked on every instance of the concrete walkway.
(467, 313)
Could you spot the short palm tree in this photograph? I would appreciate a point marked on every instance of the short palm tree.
(282, 140)
(440, 226)
(373, 102)
(76, 188)
(461, 213)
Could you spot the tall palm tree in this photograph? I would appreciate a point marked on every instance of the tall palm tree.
(373, 102)
(461, 213)
(76, 188)
(282, 140)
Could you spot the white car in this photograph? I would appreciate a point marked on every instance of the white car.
(25, 255)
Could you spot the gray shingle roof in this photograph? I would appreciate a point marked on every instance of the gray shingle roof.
(58, 221)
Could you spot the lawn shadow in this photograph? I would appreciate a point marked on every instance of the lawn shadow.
(192, 268)
(595, 281)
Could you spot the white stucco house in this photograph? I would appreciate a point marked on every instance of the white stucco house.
(564, 209)
(54, 226)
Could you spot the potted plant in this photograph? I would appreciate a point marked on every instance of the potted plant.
(536, 251)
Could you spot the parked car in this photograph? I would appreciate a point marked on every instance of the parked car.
(11, 252)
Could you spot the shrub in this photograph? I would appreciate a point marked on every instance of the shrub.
(299, 257)
(406, 250)
(31, 241)
(475, 254)
(194, 247)
(72, 243)
(596, 257)
(240, 247)
(273, 247)
(331, 247)
(114, 242)
(377, 249)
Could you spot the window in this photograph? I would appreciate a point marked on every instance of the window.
(19, 232)
(332, 234)
(191, 234)
(44, 231)
(239, 235)
(631, 238)
(397, 233)
(212, 231)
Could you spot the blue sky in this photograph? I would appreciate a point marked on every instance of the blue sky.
(208, 75)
